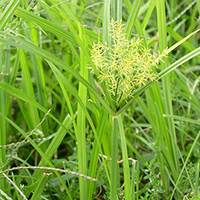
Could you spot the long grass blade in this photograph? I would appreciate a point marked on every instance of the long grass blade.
(44, 54)
(8, 12)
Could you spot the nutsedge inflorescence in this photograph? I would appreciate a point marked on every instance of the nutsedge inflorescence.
(125, 65)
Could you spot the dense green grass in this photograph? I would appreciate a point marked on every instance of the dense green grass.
(61, 134)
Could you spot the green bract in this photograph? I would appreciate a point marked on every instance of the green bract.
(125, 65)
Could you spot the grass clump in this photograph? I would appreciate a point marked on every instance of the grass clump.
(139, 140)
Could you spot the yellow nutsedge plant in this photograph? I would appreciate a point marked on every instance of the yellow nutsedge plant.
(125, 65)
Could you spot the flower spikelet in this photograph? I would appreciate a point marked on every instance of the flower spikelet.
(125, 65)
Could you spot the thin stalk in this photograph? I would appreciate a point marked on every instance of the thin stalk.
(2, 122)
(133, 181)
(114, 156)
(137, 179)
(81, 121)
(126, 169)
(196, 187)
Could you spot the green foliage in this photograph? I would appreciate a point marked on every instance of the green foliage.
(130, 130)
(153, 189)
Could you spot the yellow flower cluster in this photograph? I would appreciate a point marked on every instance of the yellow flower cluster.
(124, 66)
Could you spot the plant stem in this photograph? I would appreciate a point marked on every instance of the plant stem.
(118, 128)
(114, 156)
(126, 169)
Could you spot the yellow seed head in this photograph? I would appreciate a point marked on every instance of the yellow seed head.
(124, 66)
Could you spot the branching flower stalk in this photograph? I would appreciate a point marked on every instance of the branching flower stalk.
(125, 65)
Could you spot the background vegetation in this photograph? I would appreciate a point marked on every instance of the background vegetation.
(61, 134)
